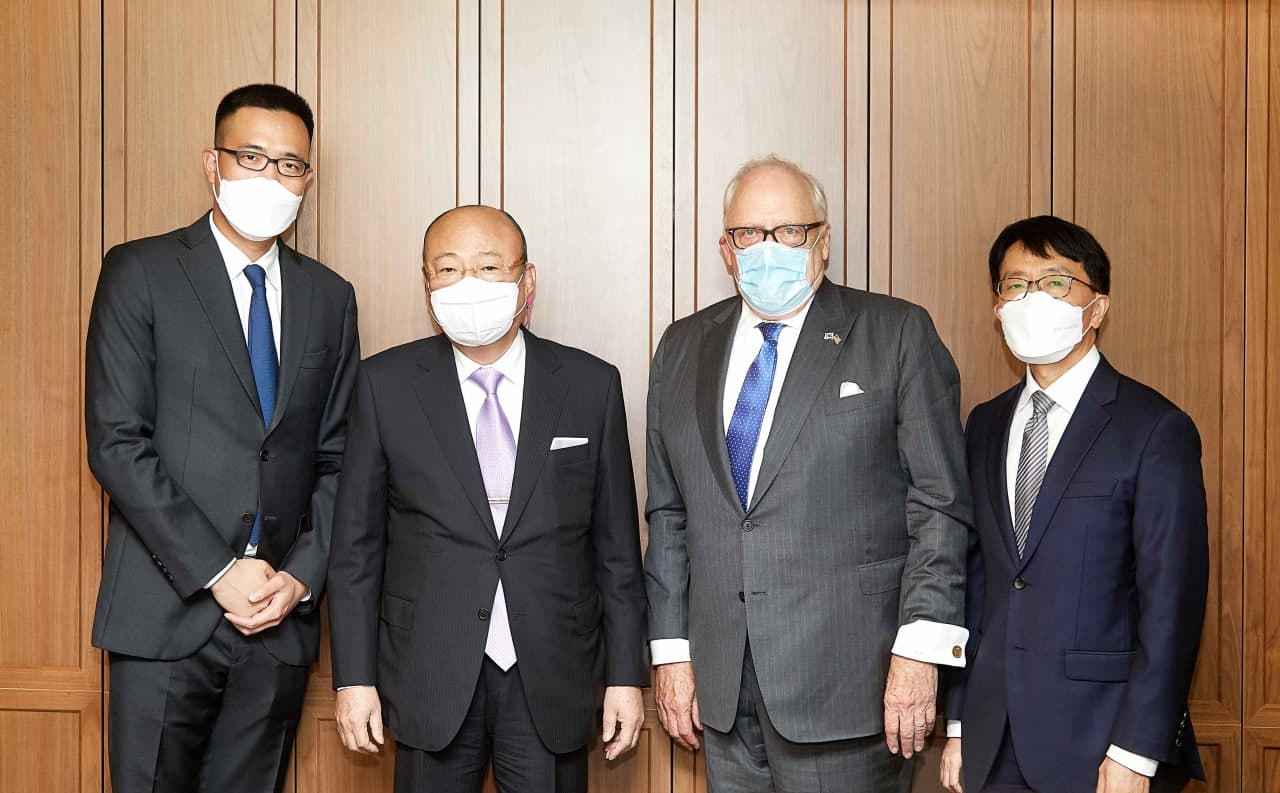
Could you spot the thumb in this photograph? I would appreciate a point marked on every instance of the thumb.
(274, 584)
(697, 716)
(609, 725)
(375, 726)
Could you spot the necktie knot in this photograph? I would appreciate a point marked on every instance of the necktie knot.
(487, 378)
(256, 275)
(770, 331)
(1041, 404)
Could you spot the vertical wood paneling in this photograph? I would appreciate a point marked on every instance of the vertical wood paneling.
(51, 741)
(965, 153)
(1157, 134)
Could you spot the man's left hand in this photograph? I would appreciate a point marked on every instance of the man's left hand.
(623, 715)
(274, 600)
(1115, 778)
(910, 704)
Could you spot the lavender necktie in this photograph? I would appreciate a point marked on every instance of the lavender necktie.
(496, 451)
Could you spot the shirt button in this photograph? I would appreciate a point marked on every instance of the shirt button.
(747, 525)
(483, 614)
(1019, 584)
(264, 455)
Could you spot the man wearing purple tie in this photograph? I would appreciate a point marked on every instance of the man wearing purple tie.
(485, 571)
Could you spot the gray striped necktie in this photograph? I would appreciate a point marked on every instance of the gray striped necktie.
(1031, 465)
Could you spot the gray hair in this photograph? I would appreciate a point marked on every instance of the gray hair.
(818, 195)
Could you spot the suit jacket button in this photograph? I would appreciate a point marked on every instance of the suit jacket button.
(742, 597)
(483, 614)
(747, 525)
(1019, 584)
(247, 518)
(502, 555)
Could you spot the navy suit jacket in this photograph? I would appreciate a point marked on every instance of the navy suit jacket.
(1090, 639)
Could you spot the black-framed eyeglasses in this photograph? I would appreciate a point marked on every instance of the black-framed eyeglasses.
(249, 159)
(1055, 285)
(793, 235)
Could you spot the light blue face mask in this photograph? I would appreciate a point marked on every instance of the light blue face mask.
(773, 278)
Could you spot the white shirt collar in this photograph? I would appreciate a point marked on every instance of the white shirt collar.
(511, 364)
(1068, 389)
(236, 261)
(748, 318)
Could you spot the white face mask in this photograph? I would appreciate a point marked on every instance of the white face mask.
(1040, 329)
(258, 208)
(475, 312)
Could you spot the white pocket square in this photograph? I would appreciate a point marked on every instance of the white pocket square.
(848, 389)
(567, 443)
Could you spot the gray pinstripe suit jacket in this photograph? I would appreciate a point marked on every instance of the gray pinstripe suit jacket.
(858, 524)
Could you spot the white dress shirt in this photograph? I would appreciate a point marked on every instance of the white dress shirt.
(511, 400)
(921, 640)
(235, 262)
(1066, 393)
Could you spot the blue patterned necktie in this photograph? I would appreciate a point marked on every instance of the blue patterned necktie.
(748, 413)
(262, 356)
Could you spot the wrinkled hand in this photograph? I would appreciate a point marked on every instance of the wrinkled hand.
(1115, 778)
(674, 690)
(273, 601)
(910, 704)
(233, 589)
(358, 712)
(952, 766)
(620, 725)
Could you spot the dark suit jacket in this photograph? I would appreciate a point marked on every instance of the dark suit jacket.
(1091, 638)
(857, 524)
(175, 436)
(417, 558)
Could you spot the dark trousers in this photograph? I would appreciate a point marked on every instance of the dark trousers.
(498, 728)
(754, 757)
(221, 719)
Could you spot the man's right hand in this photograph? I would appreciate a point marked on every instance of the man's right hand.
(674, 691)
(951, 766)
(232, 590)
(359, 715)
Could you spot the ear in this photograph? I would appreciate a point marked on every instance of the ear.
(1100, 309)
(309, 179)
(826, 243)
(209, 163)
(728, 257)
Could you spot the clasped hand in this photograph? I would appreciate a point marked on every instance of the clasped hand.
(254, 597)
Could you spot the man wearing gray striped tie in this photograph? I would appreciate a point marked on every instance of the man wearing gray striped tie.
(1088, 568)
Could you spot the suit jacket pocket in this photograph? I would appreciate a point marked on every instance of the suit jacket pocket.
(1107, 667)
(878, 577)
(867, 400)
(586, 614)
(1091, 489)
(397, 611)
(315, 359)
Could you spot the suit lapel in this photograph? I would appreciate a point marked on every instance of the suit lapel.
(713, 363)
(436, 383)
(544, 395)
(1087, 423)
(207, 274)
(295, 306)
(809, 368)
(998, 471)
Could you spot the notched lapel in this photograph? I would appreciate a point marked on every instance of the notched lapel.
(998, 473)
(436, 383)
(295, 322)
(544, 395)
(713, 363)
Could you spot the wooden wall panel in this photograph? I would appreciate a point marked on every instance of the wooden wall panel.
(1157, 127)
(49, 217)
(771, 78)
(51, 742)
(961, 93)
(1220, 754)
(1262, 760)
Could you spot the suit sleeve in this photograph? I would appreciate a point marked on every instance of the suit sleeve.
(939, 505)
(120, 420)
(615, 534)
(309, 559)
(359, 545)
(975, 585)
(666, 563)
(1171, 552)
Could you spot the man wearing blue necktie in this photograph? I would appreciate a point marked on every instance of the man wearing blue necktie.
(219, 367)
(808, 512)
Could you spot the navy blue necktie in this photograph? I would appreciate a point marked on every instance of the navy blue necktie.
(748, 413)
(262, 356)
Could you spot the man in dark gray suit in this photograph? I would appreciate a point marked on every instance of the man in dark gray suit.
(219, 367)
(808, 512)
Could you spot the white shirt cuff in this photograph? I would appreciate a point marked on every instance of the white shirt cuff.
(932, 643)
(306, 597)
(669, 651)
(219, 576)
(1134, 762)
(953, 728)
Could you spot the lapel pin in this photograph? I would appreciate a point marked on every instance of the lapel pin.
(834, 338)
